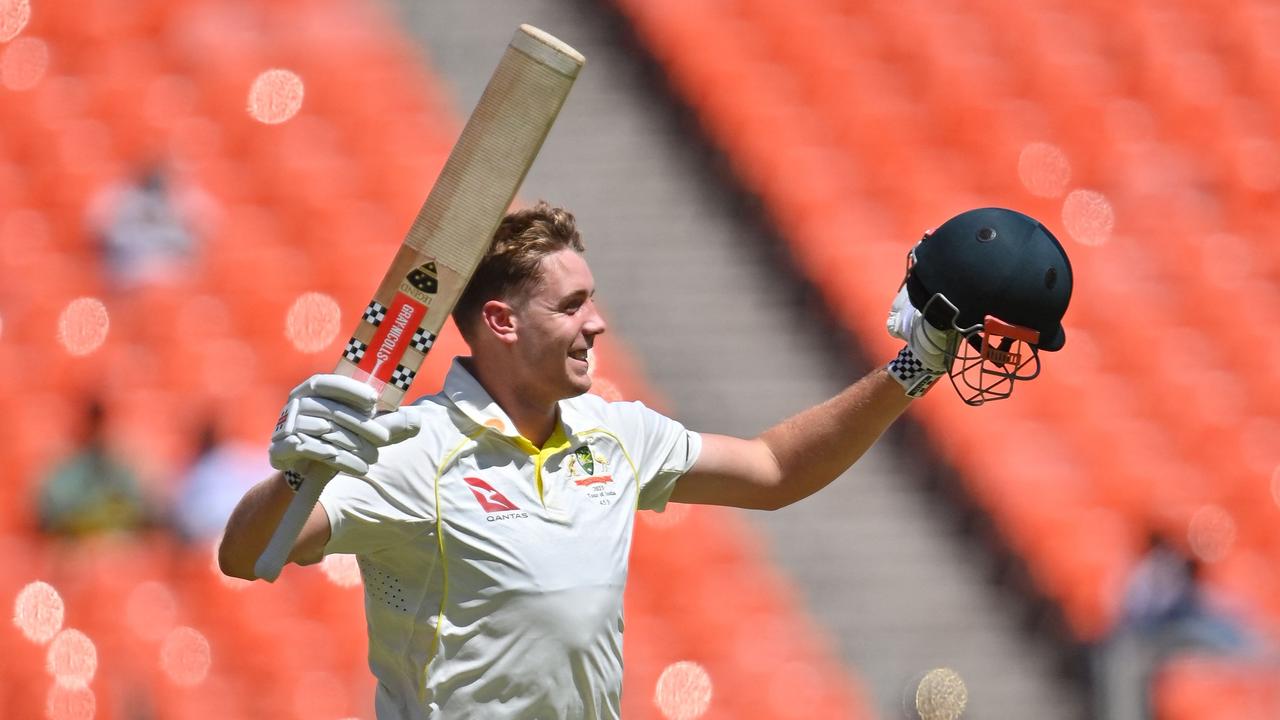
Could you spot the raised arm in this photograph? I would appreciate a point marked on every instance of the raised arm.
(797, 457)
(803, 454)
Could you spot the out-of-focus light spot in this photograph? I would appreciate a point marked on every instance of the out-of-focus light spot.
(14, 16)
(1259, 164)
(1211, 533)
(227, 581)
(683, 691)
(1044, 170)
(38, 612)
(312, 322)
(673, 515)
(83, 326)
(342, 570)
(72, 658)
(941, 695)
(69, 703)
(151, 610)
(1088, 217)
(275, 96)
(185, 656)
(23, 64)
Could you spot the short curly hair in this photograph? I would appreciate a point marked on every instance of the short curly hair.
(513, 264)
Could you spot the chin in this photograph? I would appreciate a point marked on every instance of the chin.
(577, 385)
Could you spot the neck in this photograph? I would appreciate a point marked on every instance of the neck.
(534, 419)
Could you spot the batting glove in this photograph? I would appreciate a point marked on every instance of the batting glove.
(329, 426)
(927, 354)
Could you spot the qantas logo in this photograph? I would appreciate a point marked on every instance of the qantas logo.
(491, 500)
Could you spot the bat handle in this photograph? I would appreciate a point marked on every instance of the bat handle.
(304, 500)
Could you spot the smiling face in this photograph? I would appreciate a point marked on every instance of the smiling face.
(556, 324)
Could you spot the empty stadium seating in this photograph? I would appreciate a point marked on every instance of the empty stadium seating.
(861, 124)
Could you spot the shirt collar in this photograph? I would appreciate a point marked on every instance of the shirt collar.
(469, 396)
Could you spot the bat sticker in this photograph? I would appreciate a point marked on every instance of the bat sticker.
(382, 355)
(424, 278)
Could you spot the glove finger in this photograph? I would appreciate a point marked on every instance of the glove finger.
(353, 445)
(312, 425)
(345, 416)
(901, 314)
(344, 439)
(932, 339)
(286, 454)
(341, 388)
(401, 424)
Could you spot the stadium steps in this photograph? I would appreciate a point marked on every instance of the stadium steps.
(897, 125)
(725, 335)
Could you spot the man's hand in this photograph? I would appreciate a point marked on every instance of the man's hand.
(328, 426)
(929, 350)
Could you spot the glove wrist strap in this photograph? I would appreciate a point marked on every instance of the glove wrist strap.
(293, 479)
(911, 374)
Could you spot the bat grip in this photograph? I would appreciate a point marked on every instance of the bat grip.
(304, 500)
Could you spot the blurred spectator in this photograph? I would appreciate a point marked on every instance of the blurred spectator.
(92, 492)
(220, 475)
(1166, 610)
(147, 231)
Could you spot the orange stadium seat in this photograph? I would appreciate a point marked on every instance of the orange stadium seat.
(1146, 101)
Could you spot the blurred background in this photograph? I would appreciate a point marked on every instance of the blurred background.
(198, 197)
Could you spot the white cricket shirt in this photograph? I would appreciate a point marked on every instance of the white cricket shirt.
(493, 569)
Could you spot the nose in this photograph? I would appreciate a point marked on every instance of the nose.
(595, 324)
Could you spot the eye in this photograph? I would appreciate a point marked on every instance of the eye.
(574, 304)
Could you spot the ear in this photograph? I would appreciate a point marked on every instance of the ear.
(499, 319)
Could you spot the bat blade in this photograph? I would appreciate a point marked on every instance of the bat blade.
(457, 221)
(448, 237)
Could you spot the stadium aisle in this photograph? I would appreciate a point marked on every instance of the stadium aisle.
(724, 334)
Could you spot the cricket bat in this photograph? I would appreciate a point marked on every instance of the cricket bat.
(448, 238)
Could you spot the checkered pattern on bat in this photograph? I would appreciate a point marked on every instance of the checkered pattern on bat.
(422, 340)
(355, 350)
(402, 377)
(375, 313)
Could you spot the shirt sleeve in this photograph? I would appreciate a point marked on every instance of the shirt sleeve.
(378, 511)
(665, 451)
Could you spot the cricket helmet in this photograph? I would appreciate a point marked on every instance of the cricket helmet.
(1003, 282)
